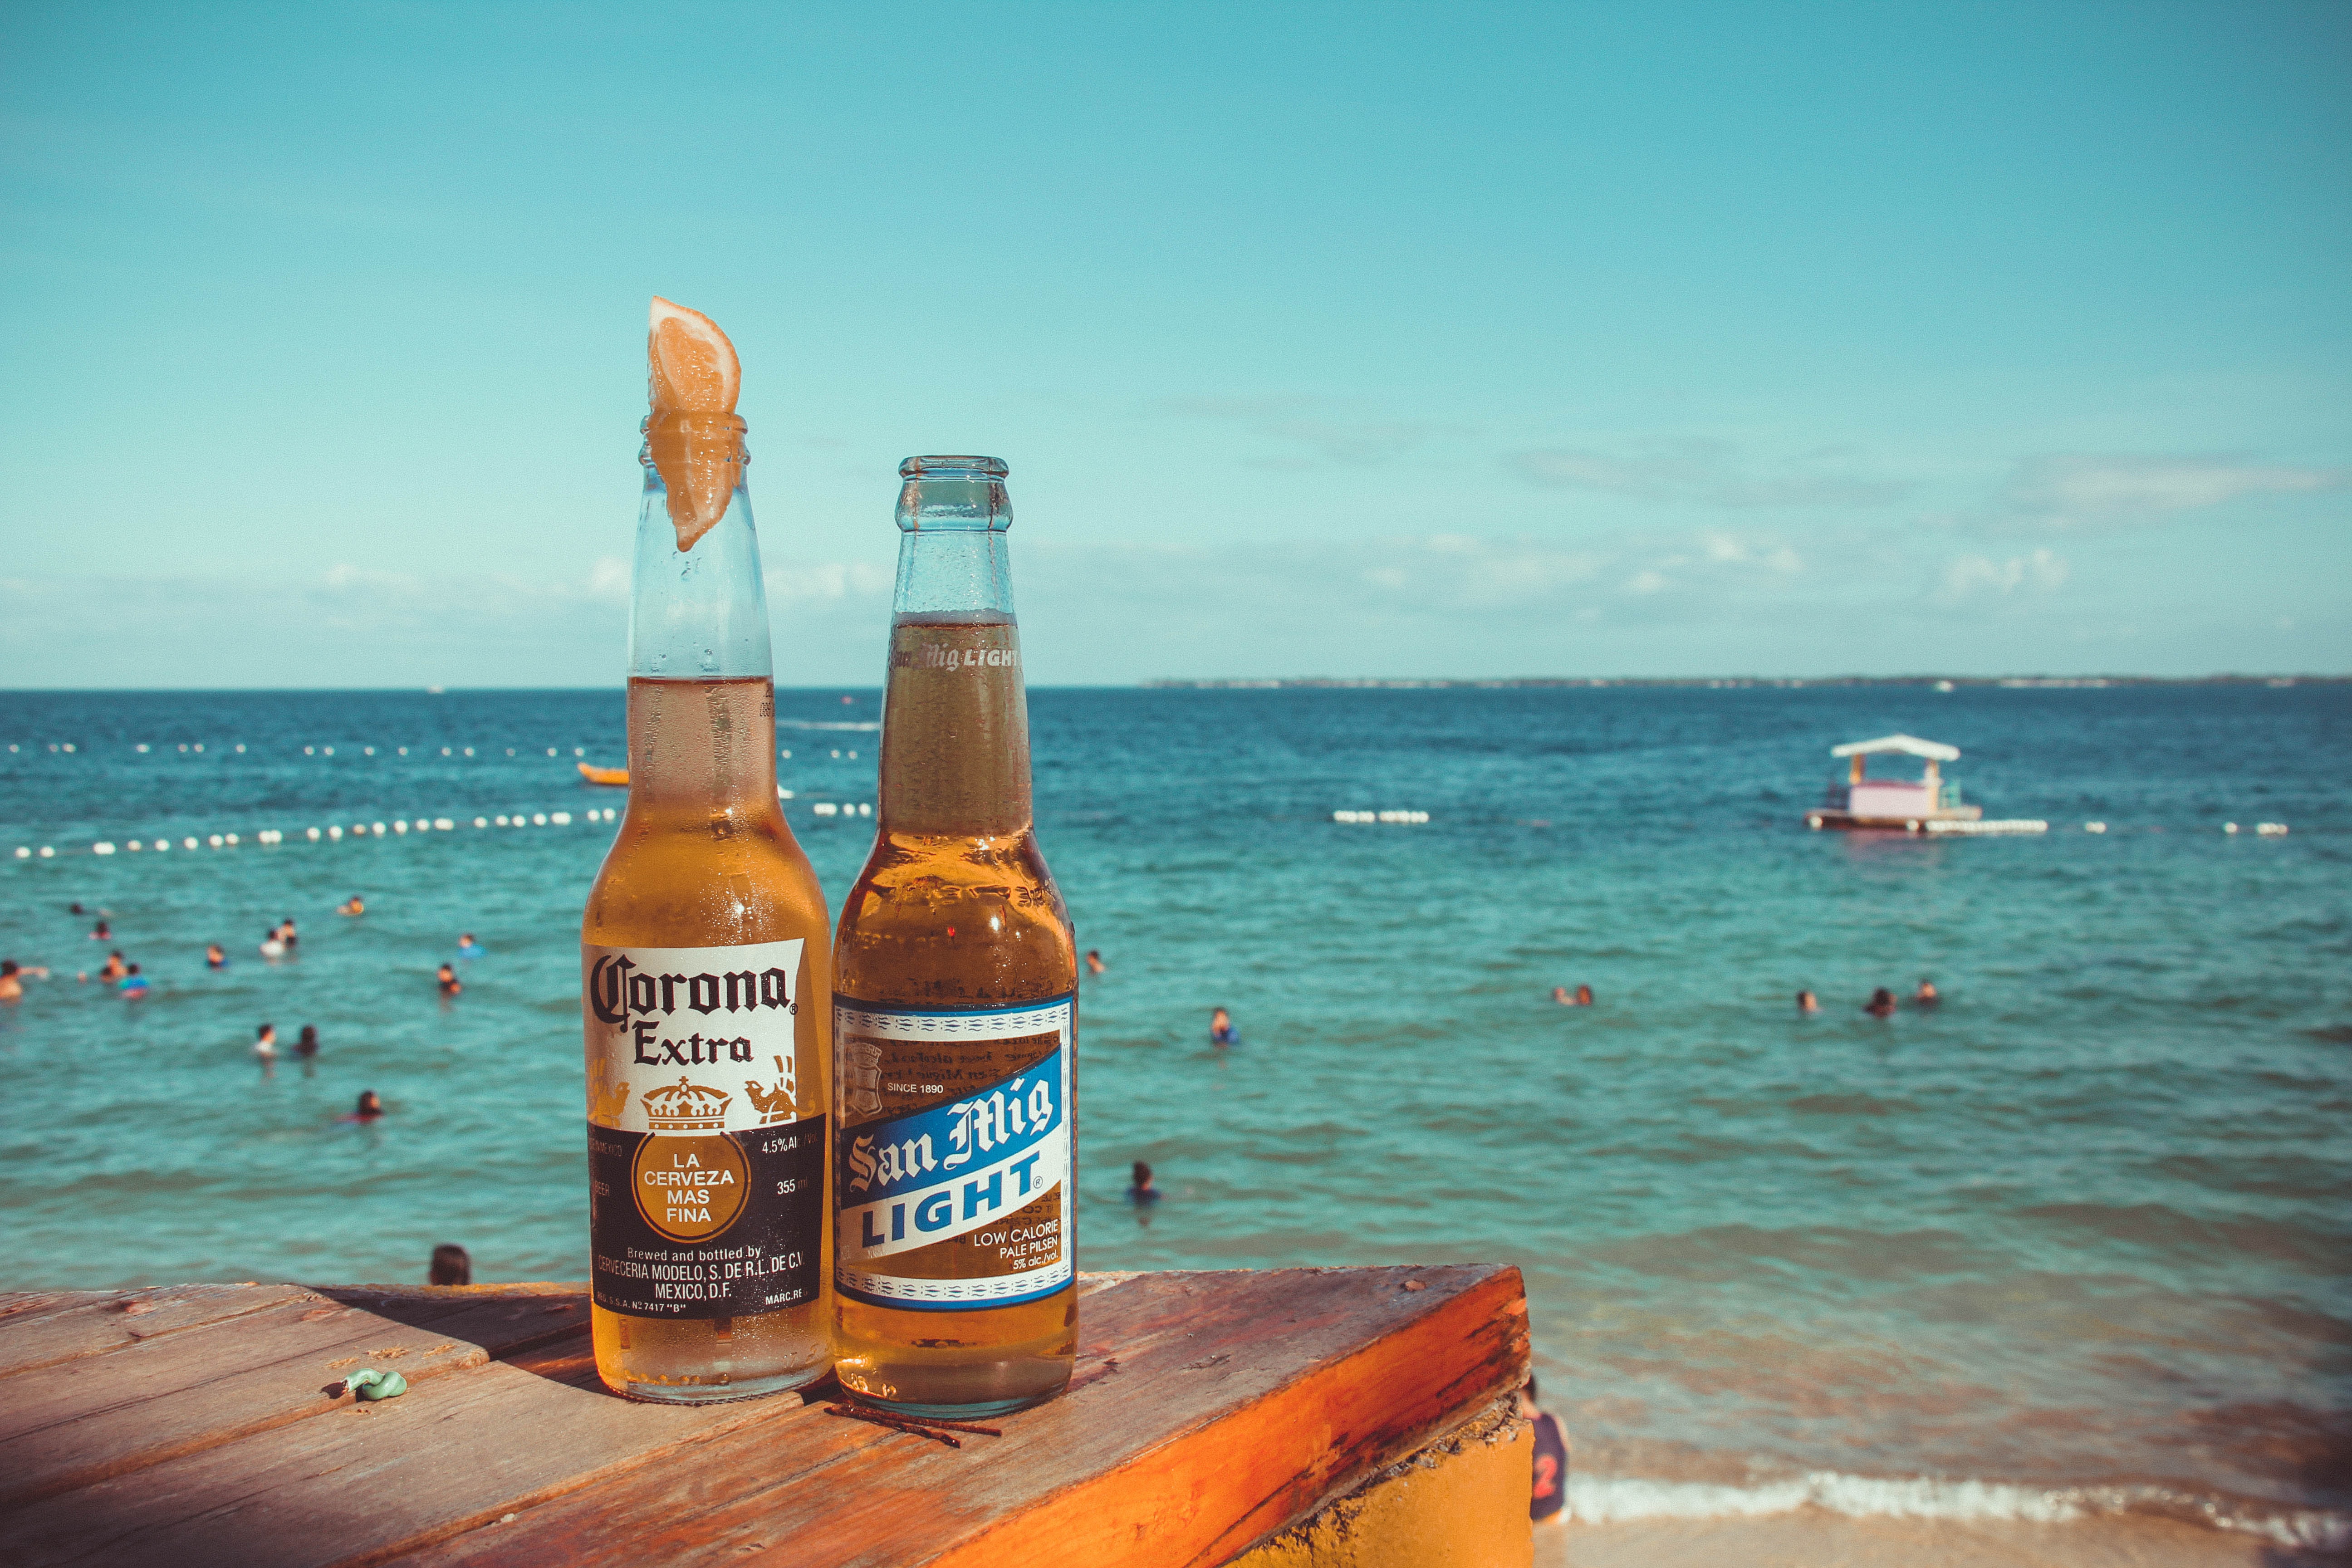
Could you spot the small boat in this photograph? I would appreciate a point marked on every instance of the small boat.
(595, 776)
(1912, 806)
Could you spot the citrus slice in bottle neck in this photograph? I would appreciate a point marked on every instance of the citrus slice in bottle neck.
(691, 370)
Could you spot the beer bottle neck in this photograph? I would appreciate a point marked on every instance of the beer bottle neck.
(698, 613)
(955, 722)
(701, 700)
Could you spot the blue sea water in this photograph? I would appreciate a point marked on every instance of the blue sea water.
(2078, 1238)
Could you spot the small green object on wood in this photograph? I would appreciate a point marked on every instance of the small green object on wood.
(374, 1384)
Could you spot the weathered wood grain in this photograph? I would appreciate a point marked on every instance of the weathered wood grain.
(1210, 1411)
(80, 1421)
(92, 1323)
(361, 1481)
(1229, 1406)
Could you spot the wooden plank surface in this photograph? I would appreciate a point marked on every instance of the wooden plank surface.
(1210, 1410)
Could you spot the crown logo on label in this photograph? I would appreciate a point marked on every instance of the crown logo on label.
(686, 1106)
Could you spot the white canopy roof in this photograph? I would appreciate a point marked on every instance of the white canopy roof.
(1910, 745)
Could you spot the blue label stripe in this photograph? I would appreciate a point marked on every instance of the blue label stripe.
(951, 1305)
(895, 1010)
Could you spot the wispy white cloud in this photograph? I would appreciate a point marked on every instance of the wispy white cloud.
(1702, 473)
(1310, 432)
(2077, 487)
(1977, 576)
(827, 580)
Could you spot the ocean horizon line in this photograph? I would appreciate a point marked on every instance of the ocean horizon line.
(1316, 682)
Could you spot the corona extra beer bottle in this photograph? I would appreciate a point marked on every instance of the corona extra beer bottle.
(705, 975)
(955, 1022)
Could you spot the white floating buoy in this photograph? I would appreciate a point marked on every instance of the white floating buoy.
(69, 747)
(560, 818)
(232, 840)
(335, 833)
(184, 748)
(2270, 829)
(836, 751)
(200, 746)
(136, 846)
(143, 746)
(469, 751)
(579, 750)
(47, 853)
(539, 819)
(866, 808)
(826, 808)
(509, 751)
(310, 751)
(240, 747)
(188, 843)
(2095, 827)
(377, 829)
(326, 751)
(2229, 828)
(786, 754)
(443, 823)
(551, 751)
(404, 751)
(500, 820)
(479, 823)
(400, 827)
(216, 840)
(369, 751)
(784, 794)
(22, 853)
(444, 751)
(162, 845)
(101, 847)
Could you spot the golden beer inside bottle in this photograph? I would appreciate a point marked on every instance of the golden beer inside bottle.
(955, 910)
(704, 859)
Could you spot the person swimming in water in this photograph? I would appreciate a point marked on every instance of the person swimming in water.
(1095, 964)
(285, 933)
(271, 947)
(1808, 1003)
(306, 1044)
(215, 957)
(102, 931)
(467, 947)
(452, 1265)
(133, 984)
(1881, 1004)
(1583, 997)
(352, 905)
(449, 982)
(1141, 1190)
(1927, 995)
(265, 1044)
(369, 1109)
(12, 978)
(115, 968)
(1220, 1029)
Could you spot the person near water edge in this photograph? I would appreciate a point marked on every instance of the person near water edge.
(1548, 1494)
(452, 1265)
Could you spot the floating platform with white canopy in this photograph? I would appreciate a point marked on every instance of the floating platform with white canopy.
(1924, 804)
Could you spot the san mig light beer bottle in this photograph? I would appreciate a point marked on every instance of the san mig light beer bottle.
(955, 1025)
(706, 980)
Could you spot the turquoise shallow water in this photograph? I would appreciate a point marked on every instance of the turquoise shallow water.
(2078, 1238)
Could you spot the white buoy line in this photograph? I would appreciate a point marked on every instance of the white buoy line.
(1388, 817)
(333, 833)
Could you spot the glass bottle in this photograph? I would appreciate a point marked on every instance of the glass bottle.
(707, 986)
(955, 975)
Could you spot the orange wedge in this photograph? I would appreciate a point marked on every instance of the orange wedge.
(692, 377)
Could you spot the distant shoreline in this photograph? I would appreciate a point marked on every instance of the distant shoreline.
(1946, 682)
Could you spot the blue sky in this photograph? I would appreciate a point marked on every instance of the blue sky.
(1455, 341)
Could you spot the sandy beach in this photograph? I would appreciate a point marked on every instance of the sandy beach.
(1817, 1539)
